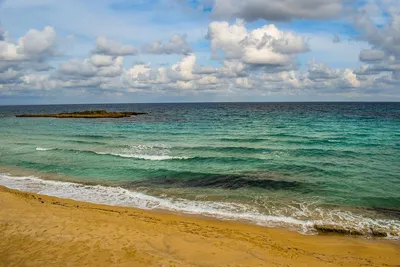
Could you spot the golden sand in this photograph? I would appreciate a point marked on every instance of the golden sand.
(38, 230)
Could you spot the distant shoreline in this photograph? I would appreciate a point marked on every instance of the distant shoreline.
(40, 230)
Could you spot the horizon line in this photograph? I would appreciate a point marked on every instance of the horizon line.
(208, 102)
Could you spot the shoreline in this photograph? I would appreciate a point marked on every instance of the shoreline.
(41, 230)
(117, 196)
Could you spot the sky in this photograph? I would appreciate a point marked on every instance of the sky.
(137, 51)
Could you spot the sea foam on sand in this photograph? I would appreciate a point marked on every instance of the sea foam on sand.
(222, 210)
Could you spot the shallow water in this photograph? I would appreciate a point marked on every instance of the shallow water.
(274, 164)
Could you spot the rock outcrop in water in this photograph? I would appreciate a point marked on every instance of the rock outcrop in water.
(92, 114)
(378, 233)
(333, 229)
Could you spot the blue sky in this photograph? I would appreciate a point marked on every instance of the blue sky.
(74, 51)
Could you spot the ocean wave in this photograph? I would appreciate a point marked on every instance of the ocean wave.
(303, 218)
(160, 153)
(244, 140)
(97, 136)
(163, 156)
(85, 142)
(145, 157)
(122, 155)
(43, 149)
(231, 149)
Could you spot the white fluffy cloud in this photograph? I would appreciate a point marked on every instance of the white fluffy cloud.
(262, 46)
(35, 45)
(183, 70)
(93, 67)
(183, 75)
(24, 67)
(104, 73)
(234, 76)
(30, 53)
(233, 68)
(261, 61)
(101, 60)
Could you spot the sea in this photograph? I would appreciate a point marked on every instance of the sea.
(286, 165)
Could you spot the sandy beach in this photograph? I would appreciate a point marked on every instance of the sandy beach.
(40, 230)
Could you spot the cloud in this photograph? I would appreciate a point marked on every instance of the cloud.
(142, 75)
(31, 53)
(112, 48)
(96, 73)
(379, 25)
(262, 46)
(177, 44)
(276, 10)
(101, 60)
(10, 75)
(183, 75)
(205, 70)
(384, 37)
(227, 38)
(370, 55)
(77, 68)
(104, 74)
(387, 66)
(183, 70)
(321, 72)
(95, 66)
(34, 45)
(38, 44)
(249, 59)
(24, 66)
(322, 76)
(186, 77)
(233, 68)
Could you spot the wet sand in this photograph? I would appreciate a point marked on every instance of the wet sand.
(38, 230)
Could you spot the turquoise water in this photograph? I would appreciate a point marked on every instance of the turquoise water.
(275, 164)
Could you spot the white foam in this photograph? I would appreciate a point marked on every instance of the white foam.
(300, 218)
(122, 197)
(145, 157)
(43, 149)
(128, 154)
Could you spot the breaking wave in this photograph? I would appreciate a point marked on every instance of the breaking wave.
(304, 218)
(145, 157)
(122, 155)
(43, 149)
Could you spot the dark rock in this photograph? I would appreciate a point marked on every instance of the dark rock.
(333, 229)
(90, 114)
(378, 233)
